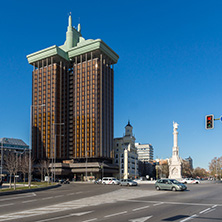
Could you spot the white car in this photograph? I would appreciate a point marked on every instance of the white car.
(190, 180)
(110, 180)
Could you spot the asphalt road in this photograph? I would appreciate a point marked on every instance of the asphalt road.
(112, 203)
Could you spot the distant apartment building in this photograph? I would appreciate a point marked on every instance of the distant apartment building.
(145, 152)
(125, 154)
(190, 162)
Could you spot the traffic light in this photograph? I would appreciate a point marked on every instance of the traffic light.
(210, 121)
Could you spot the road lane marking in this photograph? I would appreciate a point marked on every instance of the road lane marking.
(65, 216)
(176, 203)
(157, 204)
(19, 196)
(140, 208)
(142, 219)
(82, 213)
(189, 218)
(74, 193)
(28, 201)
(5, 205)
(54, 218)
(116, 214)
(58, 196)
(204, 210)
(214, 206)
(93, 219)
(47, 198)
(209, 211)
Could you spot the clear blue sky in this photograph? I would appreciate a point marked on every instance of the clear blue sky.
(170, 66)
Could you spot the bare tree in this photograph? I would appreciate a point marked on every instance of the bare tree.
(41, 166)
(12, 165)
(24, 165)
(45, 166)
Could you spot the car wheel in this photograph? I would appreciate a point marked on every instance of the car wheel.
(157, 188)
(185, 182)
(174, 189)
(104, 183)
(128, 184)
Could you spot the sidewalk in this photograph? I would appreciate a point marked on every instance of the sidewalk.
(5, 186)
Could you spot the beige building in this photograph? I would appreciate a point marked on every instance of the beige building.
(125, 154)
(145, 152)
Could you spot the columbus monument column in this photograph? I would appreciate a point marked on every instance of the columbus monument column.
(175, 163)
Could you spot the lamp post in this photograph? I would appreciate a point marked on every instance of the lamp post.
(30, 148)
(54, 156)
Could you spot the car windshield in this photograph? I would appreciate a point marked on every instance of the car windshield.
(175, 181)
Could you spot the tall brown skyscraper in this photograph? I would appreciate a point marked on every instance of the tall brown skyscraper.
(72, 99)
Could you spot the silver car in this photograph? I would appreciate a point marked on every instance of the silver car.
(169, 184)
(128, 182)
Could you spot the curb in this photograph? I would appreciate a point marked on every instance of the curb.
(28, 190)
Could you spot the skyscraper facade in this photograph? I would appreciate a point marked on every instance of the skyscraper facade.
(72, 99)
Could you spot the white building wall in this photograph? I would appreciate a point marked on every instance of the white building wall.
(145, 152)
(127, 142)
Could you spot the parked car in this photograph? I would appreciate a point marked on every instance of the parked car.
(169, 184)
(110, 180)
(128, 182)
(190, 180)
(99, 181)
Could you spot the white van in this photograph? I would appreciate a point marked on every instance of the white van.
(110, 180)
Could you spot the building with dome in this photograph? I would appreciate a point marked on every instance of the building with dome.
(125, 154)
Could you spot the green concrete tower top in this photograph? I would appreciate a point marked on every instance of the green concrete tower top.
(74, 45)
(72, 35)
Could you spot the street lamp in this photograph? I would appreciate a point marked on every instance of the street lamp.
(30, 148)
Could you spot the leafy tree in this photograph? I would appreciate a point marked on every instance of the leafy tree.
(215, 167)
(200, 172)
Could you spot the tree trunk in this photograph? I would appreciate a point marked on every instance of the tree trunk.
(41, 175)
(14, 182)
(24, 177)
(10, 181)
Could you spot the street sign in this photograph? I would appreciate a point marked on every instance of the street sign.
(221, 118)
